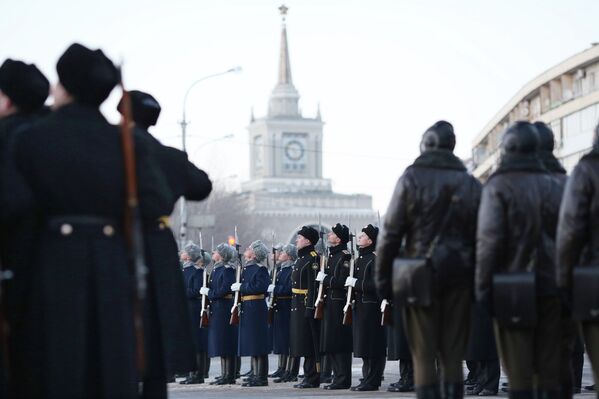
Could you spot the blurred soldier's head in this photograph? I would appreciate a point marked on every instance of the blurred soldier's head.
(368, 236)
(440, 136)
(288, 252)
(223, 253)
(23, 88)
(306, 236)
(194, 252)
(184, 256)
(144, 107)
(545, 136)
(520, 138)
(339, 235)
(85, 76)
(203, 260)
(256, 251)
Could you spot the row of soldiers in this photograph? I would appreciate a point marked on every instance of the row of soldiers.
(524, 245)
(87, 310)
(298, 286)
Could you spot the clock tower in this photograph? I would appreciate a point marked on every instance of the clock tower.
(285, 146)
(286, 189)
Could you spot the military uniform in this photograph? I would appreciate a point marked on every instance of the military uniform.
(369, 336)
(419, 208)
(27, 88)
(282, 310)
(578, 240)
(335, 338)
(166, 323)
(304, 330)
(222, 336)
(518, 211)
(253, 322)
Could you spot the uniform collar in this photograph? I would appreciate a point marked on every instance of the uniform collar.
(305, 251)
(365, 251)
(337, 249)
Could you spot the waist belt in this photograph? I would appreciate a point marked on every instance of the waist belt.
(283, 297)
(299, 292)
(230, 296)
(164, 222)
(252, 297)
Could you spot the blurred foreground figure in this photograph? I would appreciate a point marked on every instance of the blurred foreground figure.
(433, 209)
(78, 322)
(578, 249)
(515, 275)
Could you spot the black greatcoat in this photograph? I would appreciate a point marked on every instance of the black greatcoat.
(166, 305)
(79, 321)
(335, 337)
(302, 341)
(369, 335)
(397, 341)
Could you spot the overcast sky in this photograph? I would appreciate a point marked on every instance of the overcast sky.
(382, 70)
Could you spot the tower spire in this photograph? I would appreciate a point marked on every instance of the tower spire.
(284, 98)
(284, 64)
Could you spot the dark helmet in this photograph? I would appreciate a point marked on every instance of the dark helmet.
(440, 136)
(520, 138)
(545, 136)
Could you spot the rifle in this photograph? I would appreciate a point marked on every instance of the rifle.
(234, 321)
(132, 226)
(347, 310)
(271, 298)
(319, 303)
(204, 314)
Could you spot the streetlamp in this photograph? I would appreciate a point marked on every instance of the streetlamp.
(198, 148)
(184, 123)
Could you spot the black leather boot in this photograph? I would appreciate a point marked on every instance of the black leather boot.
(230, 371)
(192, 378)
(206, 365)
(260, 366)
(223, 371)
(428, 392)
(453, 390)
(280, 367)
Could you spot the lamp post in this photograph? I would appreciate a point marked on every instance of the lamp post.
(184, 122)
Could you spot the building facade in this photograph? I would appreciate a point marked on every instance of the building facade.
(286, 188)
(566, 97)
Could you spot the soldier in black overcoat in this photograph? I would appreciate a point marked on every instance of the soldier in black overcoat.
(433, 211)
(23, 91)
(335, 338)
(281, 289)
(222, 336)
(304, 330)
(165, 318)
(253, 320)
(80, 324)
(369, 335)
(516, 233)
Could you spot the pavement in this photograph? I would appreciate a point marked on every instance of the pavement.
(286, 390)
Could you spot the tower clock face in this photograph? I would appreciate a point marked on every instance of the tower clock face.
(294, 150)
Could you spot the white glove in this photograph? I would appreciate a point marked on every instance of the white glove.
(320, 277)
(235, 287)
(350, 281)
(384, 304)
(204, 290)
(271, 288)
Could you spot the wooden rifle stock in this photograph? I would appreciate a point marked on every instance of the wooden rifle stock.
(347, 310)
(271, 298)
(386, 315)
(319, 304)
(234, 320)
(132, 227)
(204, 315)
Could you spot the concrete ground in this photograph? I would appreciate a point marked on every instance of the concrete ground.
(177, 391)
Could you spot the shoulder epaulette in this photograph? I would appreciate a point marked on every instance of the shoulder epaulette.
(313, 254)
(346, 252)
